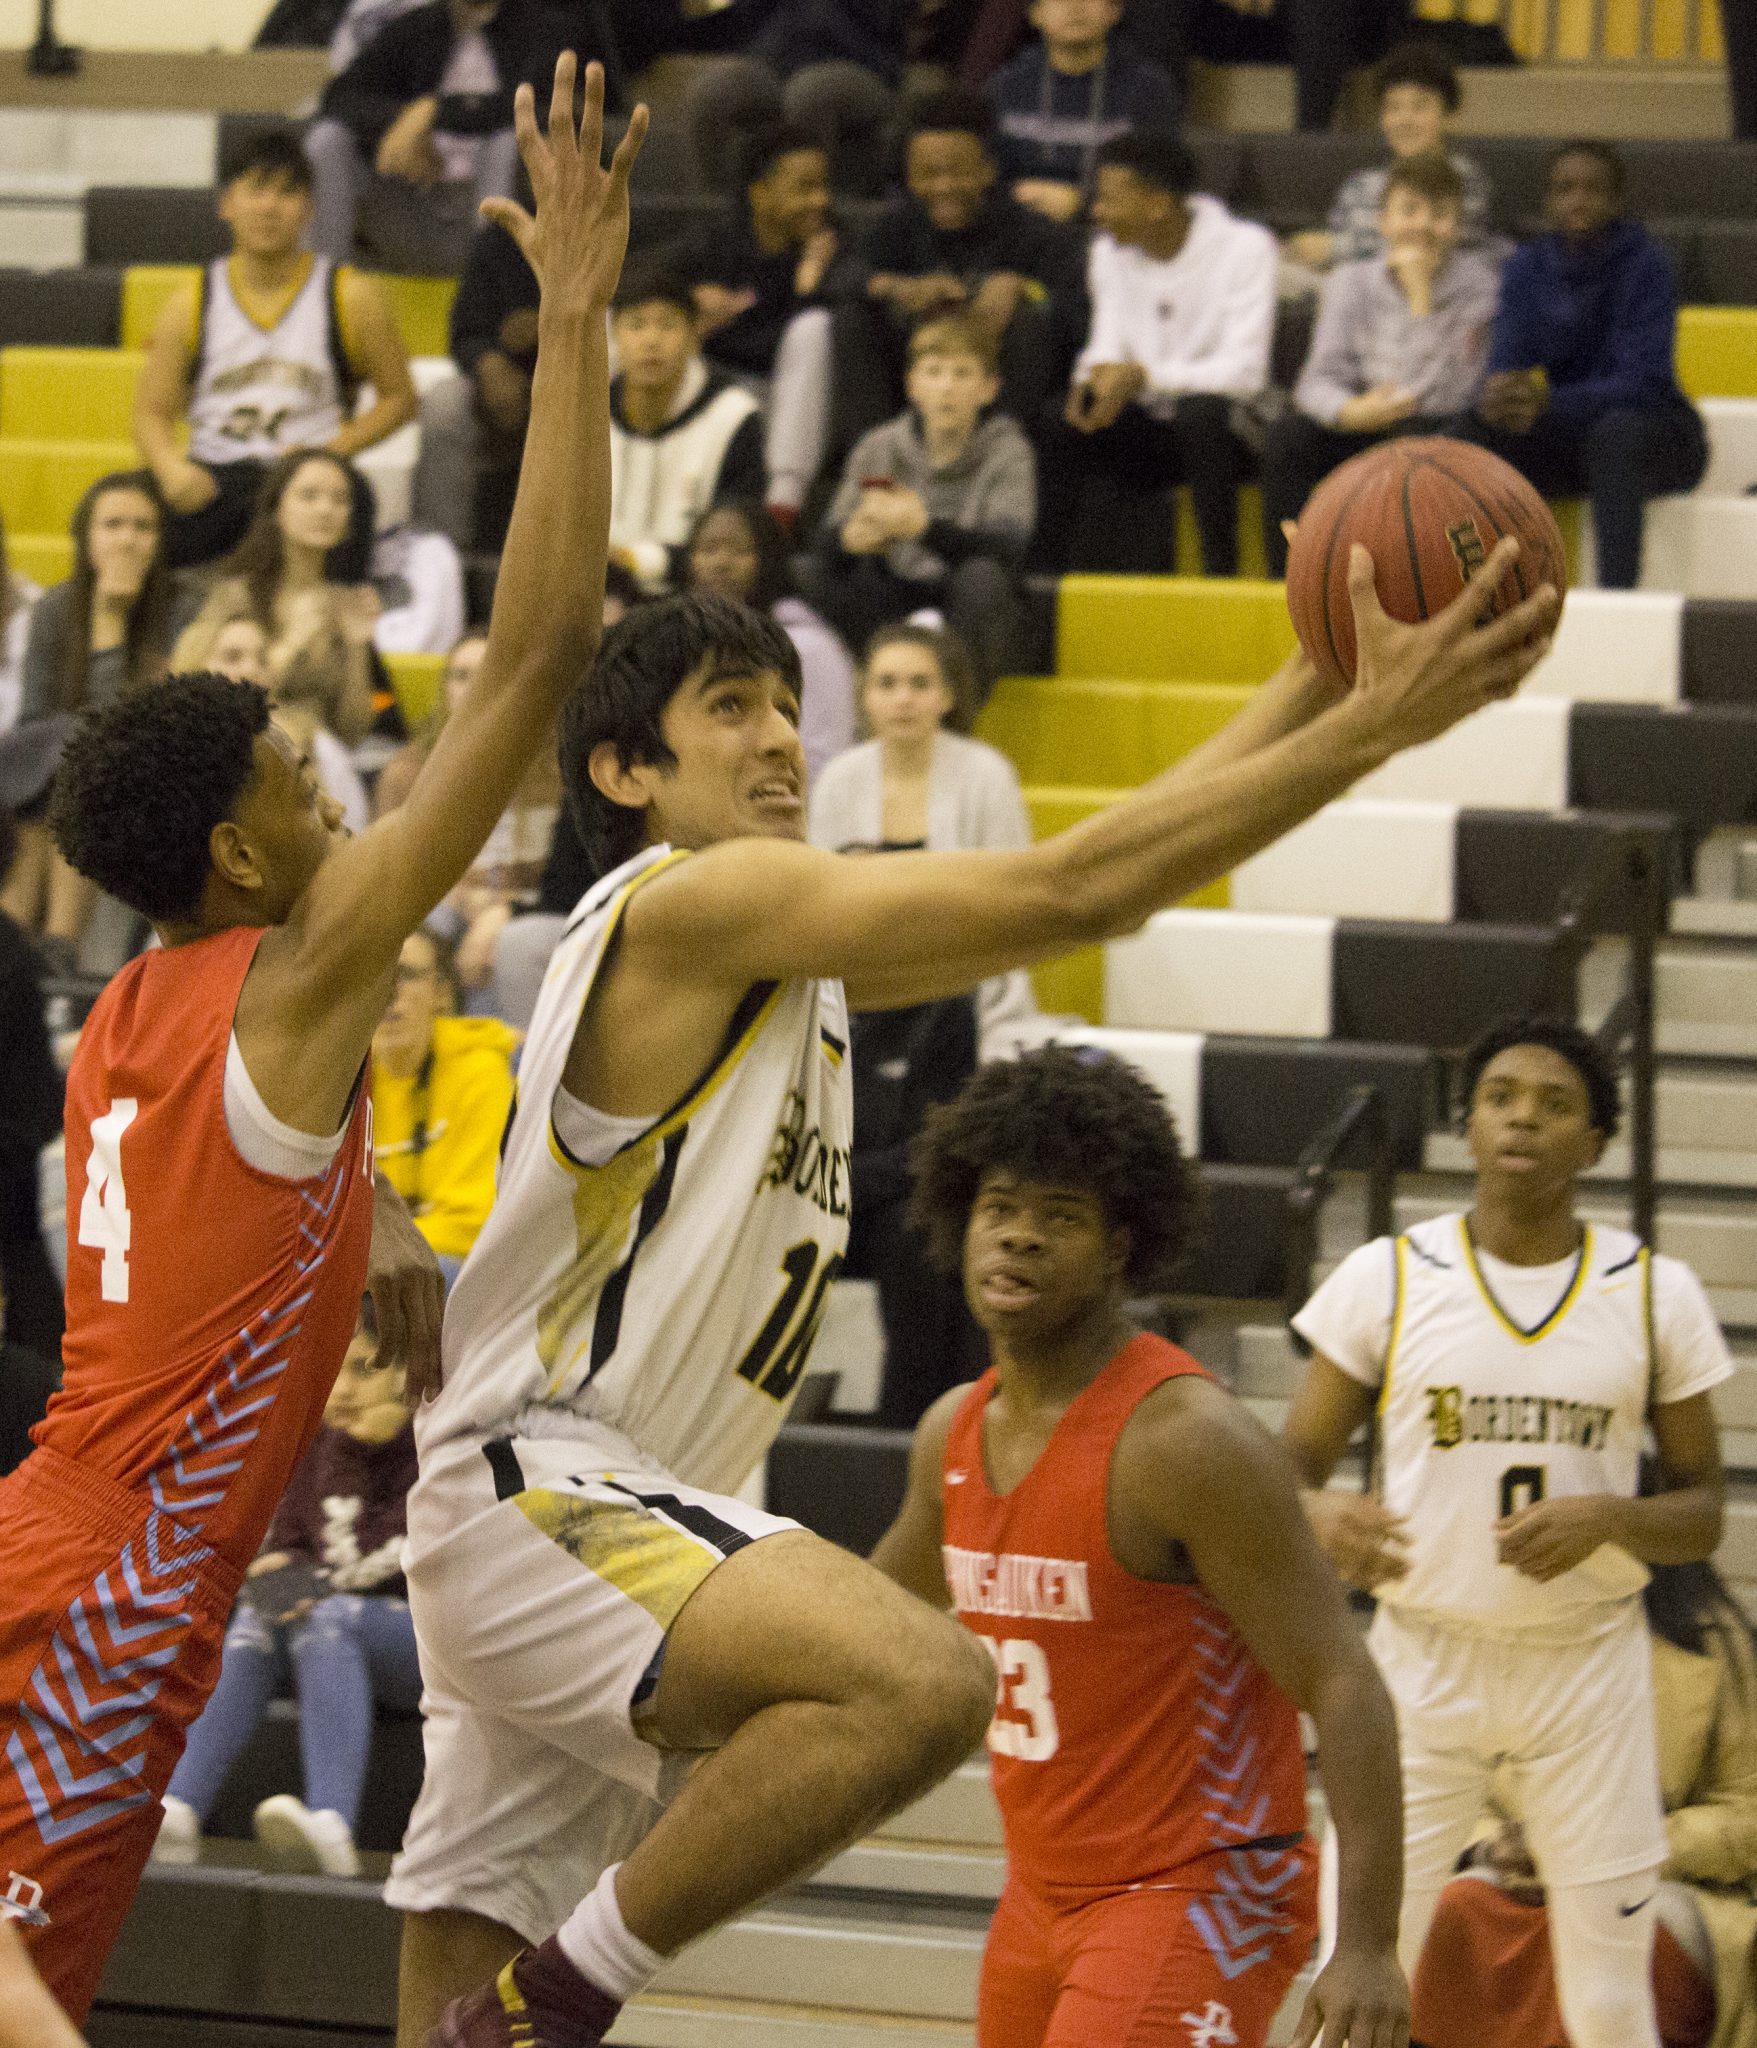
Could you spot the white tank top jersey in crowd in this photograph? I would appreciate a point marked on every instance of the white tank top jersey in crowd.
(1503, 1385)
(258, 391)
(670, 1293)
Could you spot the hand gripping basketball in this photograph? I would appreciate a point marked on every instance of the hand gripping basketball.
(1414, 682)
(579, 236)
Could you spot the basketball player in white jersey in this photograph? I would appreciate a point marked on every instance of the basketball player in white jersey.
(262, 354)
(624, 1341)
(1515, 1354)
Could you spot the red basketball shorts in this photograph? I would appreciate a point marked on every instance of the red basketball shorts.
(112, 1618)
(1203, 1965)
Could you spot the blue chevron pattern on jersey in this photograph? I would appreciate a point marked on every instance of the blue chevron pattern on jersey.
(80, 1749)
(1229, 1764)
(1243, 1918)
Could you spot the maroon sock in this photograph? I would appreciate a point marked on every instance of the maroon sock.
(555, 1991)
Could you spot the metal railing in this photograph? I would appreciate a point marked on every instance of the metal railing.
(1594, 31)
(1362, 1116)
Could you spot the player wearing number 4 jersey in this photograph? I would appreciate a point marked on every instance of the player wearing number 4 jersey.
(1128, 1544)
(592, 1609)
(219, 1139)
(1515, 1355)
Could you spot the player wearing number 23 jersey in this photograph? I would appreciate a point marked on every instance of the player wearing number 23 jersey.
(1131, 1550)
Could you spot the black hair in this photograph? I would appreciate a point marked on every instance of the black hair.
(953, 110)
(1157, 156)
(764, 148)
(1582, 1052)
(1601, 153)
(654, 279)
(144, 781)
(774, 577)
(1063, 1116)
(269, 153)
(620, 582)
(147, 637)
(643, 663)
(1423, 64)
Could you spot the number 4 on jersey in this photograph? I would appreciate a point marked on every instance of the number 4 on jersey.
(104, 1222)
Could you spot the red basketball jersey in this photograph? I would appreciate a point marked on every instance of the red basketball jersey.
(1135, 1733)
(208, 1304)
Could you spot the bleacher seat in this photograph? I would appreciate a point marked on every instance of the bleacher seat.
(1520, 867)
(1706, 547)
(44, 557)
(1103, 734)
(145, 288)
(1614, 644)
(1732, 445)
(1717, 351)
(1440, 984)
(1222, 971)
(415, 678)
(1154, 627)
(1719, 656)
(61, 308)
(42, 481)
(65, 394)
(1698, 762)
(1263, 1098)
(1726, 262)
(1511, 756)
(152, 224)
(1368, 858)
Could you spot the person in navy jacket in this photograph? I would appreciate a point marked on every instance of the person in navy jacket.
(1581, 395)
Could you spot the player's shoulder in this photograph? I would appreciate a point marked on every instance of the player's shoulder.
(927, 1452)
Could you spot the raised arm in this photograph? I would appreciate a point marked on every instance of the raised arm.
(909, 928)
(376, 353)
(316, 988)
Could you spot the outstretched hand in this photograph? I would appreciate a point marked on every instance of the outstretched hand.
(1416, 681)
(1360, 2000)
(579, 235)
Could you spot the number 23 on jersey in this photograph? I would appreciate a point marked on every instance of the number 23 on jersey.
(1024, 1724)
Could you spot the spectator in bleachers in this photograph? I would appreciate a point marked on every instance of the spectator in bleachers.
(473, 424)
(17, 595)
(936, 507)
(441, 1093)
(1582, 394)
(737, 551)
(31, 1099)
(325, 1604)
(764, 276)
(681, 434)
(417, 131)
(1183, 314)
(1486, 1978)
(300, 572)
(1401, 344)
(107, 629)
(262, 355)
(1059, 102)
(1418, 98)
(958, 241)
(828, 67)
(917, 782)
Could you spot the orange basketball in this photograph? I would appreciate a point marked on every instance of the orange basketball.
(1429, 511)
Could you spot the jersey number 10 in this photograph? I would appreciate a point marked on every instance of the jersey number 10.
(104, 1222)
(780, 1348)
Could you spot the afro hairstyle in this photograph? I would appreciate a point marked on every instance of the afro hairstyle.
(144, 781)
(1064, 1116)
(1582, 1052)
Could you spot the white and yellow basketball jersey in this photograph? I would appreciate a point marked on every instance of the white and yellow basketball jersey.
(258, 391)
(1479, 1417)
(672, 1293)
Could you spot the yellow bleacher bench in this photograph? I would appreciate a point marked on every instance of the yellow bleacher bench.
(42, 481)
(68, 394)
(44, 557)
(415, 678)
(1717, 351)
(421, 305)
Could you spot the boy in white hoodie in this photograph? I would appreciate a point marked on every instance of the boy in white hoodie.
(1183, 313)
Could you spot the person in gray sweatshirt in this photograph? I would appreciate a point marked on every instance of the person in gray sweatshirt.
(1401, 344)
(936, 507)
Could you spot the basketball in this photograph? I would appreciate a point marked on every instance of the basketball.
(1430, 512)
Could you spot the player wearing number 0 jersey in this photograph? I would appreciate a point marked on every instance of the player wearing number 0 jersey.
(1129, 1547)
(589, 1615)
(1515, 1355)
(219, 1136)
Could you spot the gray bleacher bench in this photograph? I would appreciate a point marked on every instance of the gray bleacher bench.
(61, 308)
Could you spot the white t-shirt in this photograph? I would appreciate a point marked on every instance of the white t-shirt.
(1501, 1385)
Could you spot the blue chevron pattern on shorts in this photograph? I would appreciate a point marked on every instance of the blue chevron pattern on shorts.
(1246, 1914)
(80, 1749)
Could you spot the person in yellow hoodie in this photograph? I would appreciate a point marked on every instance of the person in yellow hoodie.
(441, 1093)
(1484, 1978)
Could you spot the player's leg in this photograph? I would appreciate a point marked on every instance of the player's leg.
(1021, 1972)
(829, 1698)
(1601, 1936)
(445, 1953)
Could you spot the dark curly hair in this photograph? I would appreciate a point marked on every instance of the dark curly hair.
(1582, 1052)
(643, 662)
(1423, 64)
(1064, 1116)
(144, 781)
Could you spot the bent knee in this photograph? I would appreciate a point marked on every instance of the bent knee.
(943, 1694)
